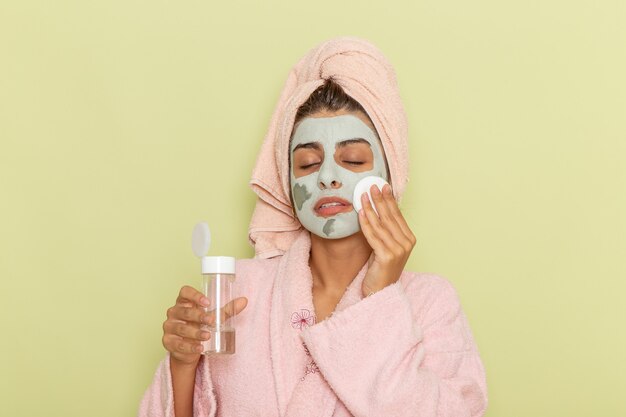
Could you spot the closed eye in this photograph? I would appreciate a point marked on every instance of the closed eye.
(309, 166)
(354, 162)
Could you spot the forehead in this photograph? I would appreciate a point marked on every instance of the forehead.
(330, 130)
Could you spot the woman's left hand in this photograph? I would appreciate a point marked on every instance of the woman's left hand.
(389, 236)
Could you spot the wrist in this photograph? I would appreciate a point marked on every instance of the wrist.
(369, 290)
(182, 366)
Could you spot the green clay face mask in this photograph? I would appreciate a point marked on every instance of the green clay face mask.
(323, 194)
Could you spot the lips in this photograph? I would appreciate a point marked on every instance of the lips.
(329, 206)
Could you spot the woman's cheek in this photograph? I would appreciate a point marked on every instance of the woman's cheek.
(301, 194)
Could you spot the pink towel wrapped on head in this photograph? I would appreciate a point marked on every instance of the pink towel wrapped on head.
(365, 74)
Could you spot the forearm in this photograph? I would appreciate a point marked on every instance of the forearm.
(183, 382)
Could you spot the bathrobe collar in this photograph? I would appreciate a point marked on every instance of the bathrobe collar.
(300, 387)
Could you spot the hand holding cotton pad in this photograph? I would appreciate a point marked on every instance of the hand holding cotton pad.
(363, 186)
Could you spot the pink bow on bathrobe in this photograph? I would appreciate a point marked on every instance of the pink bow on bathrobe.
(405, 351)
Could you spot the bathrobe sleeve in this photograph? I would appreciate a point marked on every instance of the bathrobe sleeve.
(158, 400)
(406, 350)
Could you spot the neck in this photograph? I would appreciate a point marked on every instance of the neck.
(335, 262)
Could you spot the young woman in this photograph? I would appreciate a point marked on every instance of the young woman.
(330, 323)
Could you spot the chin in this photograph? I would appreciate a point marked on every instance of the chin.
(335, 236)
(343, 225)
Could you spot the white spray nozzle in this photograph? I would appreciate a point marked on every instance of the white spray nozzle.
(201, 239)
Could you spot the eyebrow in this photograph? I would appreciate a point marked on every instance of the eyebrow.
(317, 146)
(310, 145)
(351, 142)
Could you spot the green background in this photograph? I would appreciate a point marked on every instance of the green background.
(123, 123)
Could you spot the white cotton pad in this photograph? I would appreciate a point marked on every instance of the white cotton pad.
(364, 186)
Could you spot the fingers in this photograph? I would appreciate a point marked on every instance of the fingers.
(186, 330)
(177, 344)
(382, 227)
(235, 307)
(229, 310)
(183, 332)
(189, 294)
(186, 326)
(388, 227)
(368, 230)
(180, 312)
(381, 203)
(187, 314)
(394, 211)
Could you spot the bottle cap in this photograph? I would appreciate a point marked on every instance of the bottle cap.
(363, 186)
(218, 265)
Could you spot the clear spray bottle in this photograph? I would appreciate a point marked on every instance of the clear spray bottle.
(218, 278)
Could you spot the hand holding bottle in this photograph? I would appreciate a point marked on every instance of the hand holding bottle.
(182, 330)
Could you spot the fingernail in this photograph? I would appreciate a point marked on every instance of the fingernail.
(376, 190)
(205, 301)
(198, 349)
(206, 335)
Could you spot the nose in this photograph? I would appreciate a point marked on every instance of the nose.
(328, 177)
(333, 184)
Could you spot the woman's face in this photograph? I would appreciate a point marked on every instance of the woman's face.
(330, 152)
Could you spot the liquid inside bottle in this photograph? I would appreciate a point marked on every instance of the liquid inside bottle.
(221, 341)
(218, 288)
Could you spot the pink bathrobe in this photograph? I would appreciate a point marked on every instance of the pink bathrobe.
(406, 350)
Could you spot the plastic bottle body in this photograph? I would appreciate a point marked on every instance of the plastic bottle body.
(218, 288)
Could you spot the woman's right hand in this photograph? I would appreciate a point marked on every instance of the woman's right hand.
(183, 330)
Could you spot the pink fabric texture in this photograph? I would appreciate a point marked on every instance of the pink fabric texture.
(365, 74)
(405, 351)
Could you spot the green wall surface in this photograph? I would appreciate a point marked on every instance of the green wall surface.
(123, 123)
